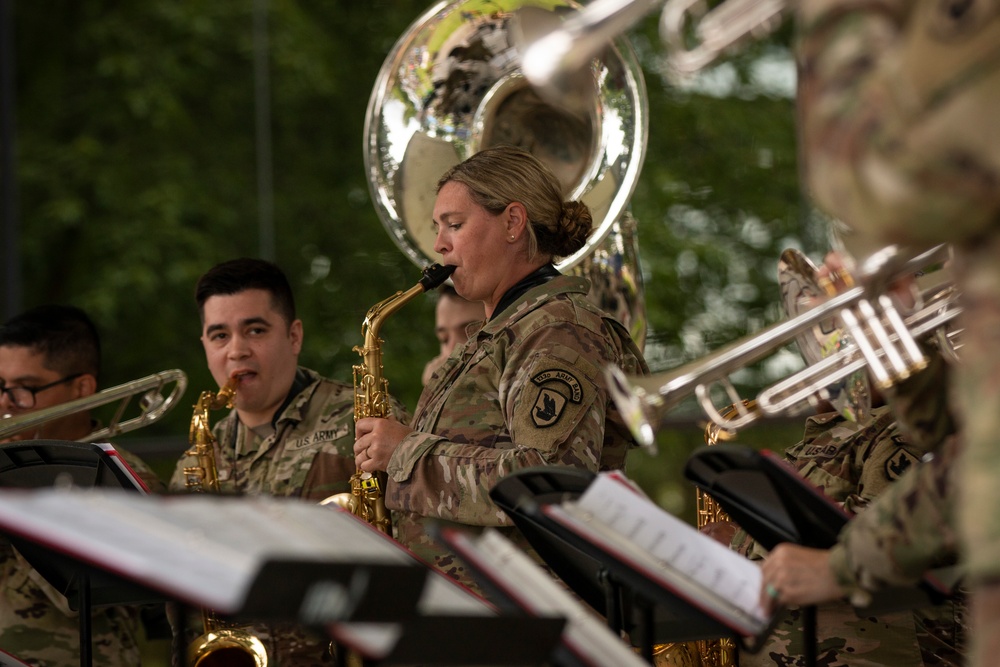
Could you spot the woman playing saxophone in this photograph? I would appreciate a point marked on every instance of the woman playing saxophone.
(527, 388)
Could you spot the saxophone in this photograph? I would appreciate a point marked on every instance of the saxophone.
(217, 645)
(706, 652)
(371, 398)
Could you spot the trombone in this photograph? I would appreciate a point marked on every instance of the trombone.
(883, 341)
(152, 405)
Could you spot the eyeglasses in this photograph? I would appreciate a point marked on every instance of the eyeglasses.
(24, 397)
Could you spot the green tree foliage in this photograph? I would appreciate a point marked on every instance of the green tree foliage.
(137, 170)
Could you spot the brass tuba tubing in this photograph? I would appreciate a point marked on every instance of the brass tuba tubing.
(152, 404)
(646, 401)
(566, 50)
(562, 52)
(715, 31)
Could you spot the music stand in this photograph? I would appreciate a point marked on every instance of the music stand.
(769, 499)
(225, 553)
(613, 588)
(47, 463)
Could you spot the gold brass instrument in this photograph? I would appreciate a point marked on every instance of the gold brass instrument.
(452, 85)
(371, 397)
(217, 646)
(883, 342)
(708, 652)
(693, 35)
(152, 406)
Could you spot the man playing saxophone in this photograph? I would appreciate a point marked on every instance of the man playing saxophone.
(291, 431)
(50, 355)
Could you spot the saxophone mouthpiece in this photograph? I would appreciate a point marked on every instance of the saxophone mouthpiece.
(435, 274)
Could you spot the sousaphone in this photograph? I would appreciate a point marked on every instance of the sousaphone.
(452, 85)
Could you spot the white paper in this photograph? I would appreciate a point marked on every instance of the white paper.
(690, 563)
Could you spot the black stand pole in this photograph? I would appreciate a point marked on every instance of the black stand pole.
(83, 606)
(809, 639)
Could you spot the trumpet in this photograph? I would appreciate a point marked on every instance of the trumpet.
(695, 36)
(152, 405)
(883, 342)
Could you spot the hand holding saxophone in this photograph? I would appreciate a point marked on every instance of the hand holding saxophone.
(377, 439)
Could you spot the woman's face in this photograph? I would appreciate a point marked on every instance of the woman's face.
(475, 241)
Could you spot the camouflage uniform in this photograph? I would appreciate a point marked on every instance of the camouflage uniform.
(853, 463)
(37, 625)
(901, 142)
(310, 455)
(898, 101)
(527, 389)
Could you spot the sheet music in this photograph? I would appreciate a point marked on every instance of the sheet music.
(199, 548)
(586, 633)
(613, 513)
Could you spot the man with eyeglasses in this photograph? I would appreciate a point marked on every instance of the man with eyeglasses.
(50, 355)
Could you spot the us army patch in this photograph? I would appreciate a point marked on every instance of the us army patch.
(551, 401)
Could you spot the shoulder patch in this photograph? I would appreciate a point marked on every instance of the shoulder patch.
(898, 463)
(552, 400)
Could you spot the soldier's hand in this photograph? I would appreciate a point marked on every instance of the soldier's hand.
(376, 440)
(797, 575)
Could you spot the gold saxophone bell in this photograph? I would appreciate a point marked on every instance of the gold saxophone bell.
(227, 648)
(218, 646)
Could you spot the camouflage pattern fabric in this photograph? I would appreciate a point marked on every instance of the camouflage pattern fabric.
(907, 531)
(897, 102)
(527, 389)
(853, 463)
(37, 625)
(310, 455)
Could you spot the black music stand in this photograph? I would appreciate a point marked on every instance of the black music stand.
(46, 463)
(518, 584)
(276, 559)
(627, 598)
(769, 499)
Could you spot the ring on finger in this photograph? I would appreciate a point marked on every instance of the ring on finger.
(772, 592)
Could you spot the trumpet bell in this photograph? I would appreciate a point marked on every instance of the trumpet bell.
(801, 291)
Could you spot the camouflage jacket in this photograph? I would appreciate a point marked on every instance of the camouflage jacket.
(897, 103)
(907, 531)
(527, 389)
(853, 463)
(310, 455)
(36, 622)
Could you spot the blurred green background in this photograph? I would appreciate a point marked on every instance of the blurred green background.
(137, 163)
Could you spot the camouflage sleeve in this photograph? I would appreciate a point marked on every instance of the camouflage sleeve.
(895, 103)
(921, 409)
(908, 530)
(554, 406)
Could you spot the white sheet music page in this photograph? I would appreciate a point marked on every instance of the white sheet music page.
(723, 582)
(586, 633)
(200, 548)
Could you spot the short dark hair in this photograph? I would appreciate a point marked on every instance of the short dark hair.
(238, 275)
(64, 335)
